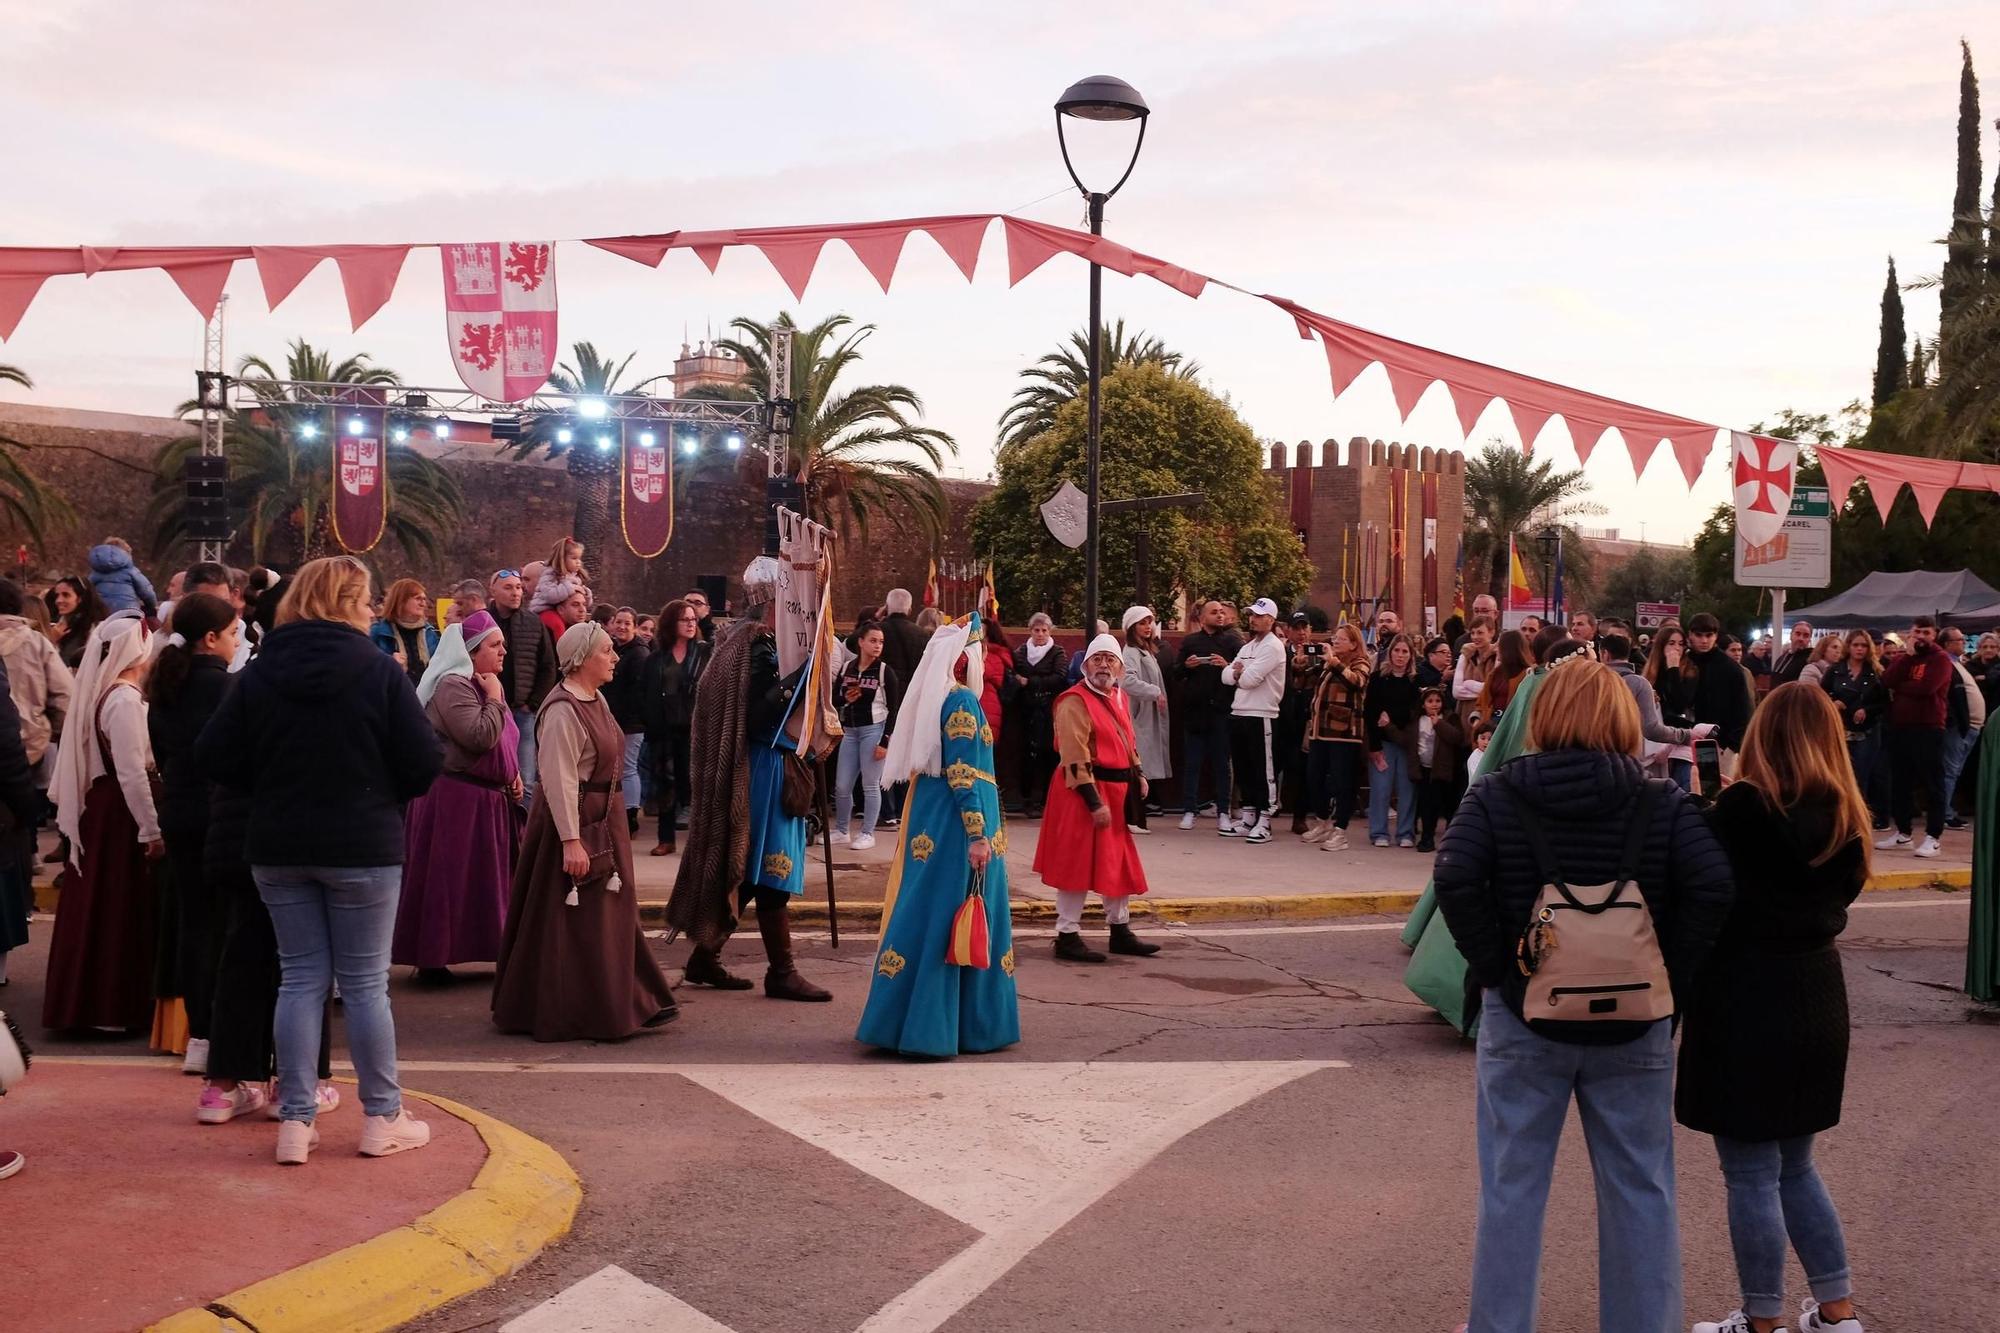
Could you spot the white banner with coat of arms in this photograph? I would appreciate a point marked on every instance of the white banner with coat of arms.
(500, 315)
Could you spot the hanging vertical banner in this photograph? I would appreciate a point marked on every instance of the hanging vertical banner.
(646, 486)
(1399, 527)
(804, 627)
(1429, 492)
(360, 478)
(500, 315)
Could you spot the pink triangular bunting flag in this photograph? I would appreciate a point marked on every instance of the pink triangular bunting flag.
(1884, 490)
(710, 255)
(202, 283)
(97, 258)
(1528, 423)
(647, 250)
(1691, 450)
(1471, 405)
(961, 241)
(16, 295)
(1408, 387)
(282, 268)
(878, 252)
(794, 261)
(368, 275)
(1841, 475)
(1928, 499)
(1026, 250)
(1343, 362)
(1583, 436)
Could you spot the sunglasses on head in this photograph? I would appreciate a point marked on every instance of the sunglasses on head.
(506, 574)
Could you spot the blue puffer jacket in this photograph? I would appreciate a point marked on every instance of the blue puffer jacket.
(119, 582)
(1487, 879)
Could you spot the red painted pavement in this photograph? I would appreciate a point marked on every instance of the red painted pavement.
(128, 1210)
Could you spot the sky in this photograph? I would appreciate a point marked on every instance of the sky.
(1685, 205)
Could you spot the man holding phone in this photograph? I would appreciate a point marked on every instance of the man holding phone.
(1721, 688)
(1204, 709)
(1918, 683)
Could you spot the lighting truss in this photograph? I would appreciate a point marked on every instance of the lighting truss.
(460, 404)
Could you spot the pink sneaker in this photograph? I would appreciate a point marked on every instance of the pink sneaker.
(382, 1135)
(296, 1139)
(217, 1107)
(326, 1098)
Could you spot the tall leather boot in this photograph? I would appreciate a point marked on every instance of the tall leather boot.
(783, 981)
(704, 968)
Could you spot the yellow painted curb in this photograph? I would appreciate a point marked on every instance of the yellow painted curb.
(523, 1199)
(1921, 879)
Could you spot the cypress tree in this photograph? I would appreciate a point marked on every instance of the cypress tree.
(1993, 224)
(1891, 372)
(1917, 364)
(1962, 245)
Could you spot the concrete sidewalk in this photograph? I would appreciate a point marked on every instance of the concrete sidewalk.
(130, 1215)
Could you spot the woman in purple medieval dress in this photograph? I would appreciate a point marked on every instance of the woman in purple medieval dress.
(463, 833)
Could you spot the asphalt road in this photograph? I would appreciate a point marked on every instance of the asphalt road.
(1256, 1130)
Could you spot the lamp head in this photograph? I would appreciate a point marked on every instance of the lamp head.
(1102, 97)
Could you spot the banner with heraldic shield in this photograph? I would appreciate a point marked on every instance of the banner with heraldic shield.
(1067, 514)
(360, 478)
(500, 315)
(646, 489)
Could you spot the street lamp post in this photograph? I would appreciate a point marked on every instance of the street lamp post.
(1550, 540)
(1102, 98)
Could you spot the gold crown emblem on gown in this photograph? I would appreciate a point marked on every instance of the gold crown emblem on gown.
(890, 963)
(961, 775)
(921, 847)
(1007, 962)
(778, 866)
(961, 725)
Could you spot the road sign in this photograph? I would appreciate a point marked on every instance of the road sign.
(1801, 555)
(1652, 615)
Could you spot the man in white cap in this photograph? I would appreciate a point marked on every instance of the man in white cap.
(1258, 673)
(1145, 689)
(1085, 846)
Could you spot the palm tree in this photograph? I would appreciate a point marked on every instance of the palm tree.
(838, 435)
(1064, 374)
(593, 470)
(1506, 493)
(24, 501)
(281, 482)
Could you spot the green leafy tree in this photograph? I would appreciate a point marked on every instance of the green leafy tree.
(25, 503)
(861, 452)
(1891, 371)
(1512, 494)
(1650, 575)
(1163, 435)
(1064, 375)
(592, 466)
(281, 477)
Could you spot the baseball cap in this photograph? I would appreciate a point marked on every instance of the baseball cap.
(1301, 618)
(1263, 606)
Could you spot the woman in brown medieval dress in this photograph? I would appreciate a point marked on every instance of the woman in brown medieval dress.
(573, 964)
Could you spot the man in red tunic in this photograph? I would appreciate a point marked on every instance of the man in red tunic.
(1085, 846)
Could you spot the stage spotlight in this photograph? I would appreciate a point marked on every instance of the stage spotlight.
(735, 443)
(506, 428)
(689, 444)
(564, 435)
(441, 428)
(605, 442)
(355, 425)
(593, 408)
(309, 430)
(647, 439)
(399, 433)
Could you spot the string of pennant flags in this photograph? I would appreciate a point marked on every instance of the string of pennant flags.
(501, 323)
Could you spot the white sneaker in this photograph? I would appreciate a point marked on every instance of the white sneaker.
(1187, 821)
(861, 842)
(1379, 842)
(296, 1139)
(1928, 847)
(1810, 1322)
(217, 1107)
(1891, 841)
(1227, 827)
(1138, 829)
(196, 1059)
(1406, 842)
(1737, 1322)
(326, 1098)
(1335, 839)
(1316, 830)
(1259, 832)
(839, 836)
(382, 1135)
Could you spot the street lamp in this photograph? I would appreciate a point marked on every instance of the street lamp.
(1550, 540)
(1101, 98)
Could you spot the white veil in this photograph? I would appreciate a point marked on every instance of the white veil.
(918, 745)
(113, 646)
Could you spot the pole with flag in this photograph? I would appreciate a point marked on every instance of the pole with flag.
(992, 608)
(931, 584)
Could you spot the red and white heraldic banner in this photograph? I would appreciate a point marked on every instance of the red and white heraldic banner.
(500, 314)
(646, 487)
(360, 478)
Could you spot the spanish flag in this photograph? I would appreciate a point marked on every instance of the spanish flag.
(931, 585)
(1518, 596)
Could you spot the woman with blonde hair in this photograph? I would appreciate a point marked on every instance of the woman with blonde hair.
(1578, 810)
(1336, 730)
(406, 631)
(1763, 1059)
(1854, 683)
(1825, 653)
(328, 734)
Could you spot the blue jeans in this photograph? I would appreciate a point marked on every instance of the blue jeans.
(1384, 782)
(333, 922)
(857, 759)
(1205, 738)
(524, 718)
(1957, 749)
(629, 779)
(1625, 1096)
(1864, 751)
(1775, 1191)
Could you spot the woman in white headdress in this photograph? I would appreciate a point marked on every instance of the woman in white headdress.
(928, 996)
(102, 953)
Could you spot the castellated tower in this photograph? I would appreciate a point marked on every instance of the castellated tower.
(1374, 522)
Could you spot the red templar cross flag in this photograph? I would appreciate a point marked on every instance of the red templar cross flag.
(646, 487)
(360, 478)
(1760, 471)
(500, 314)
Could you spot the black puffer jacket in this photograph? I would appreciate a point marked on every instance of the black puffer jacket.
(1764, 1046)
(172, 728)
(1487, 879)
